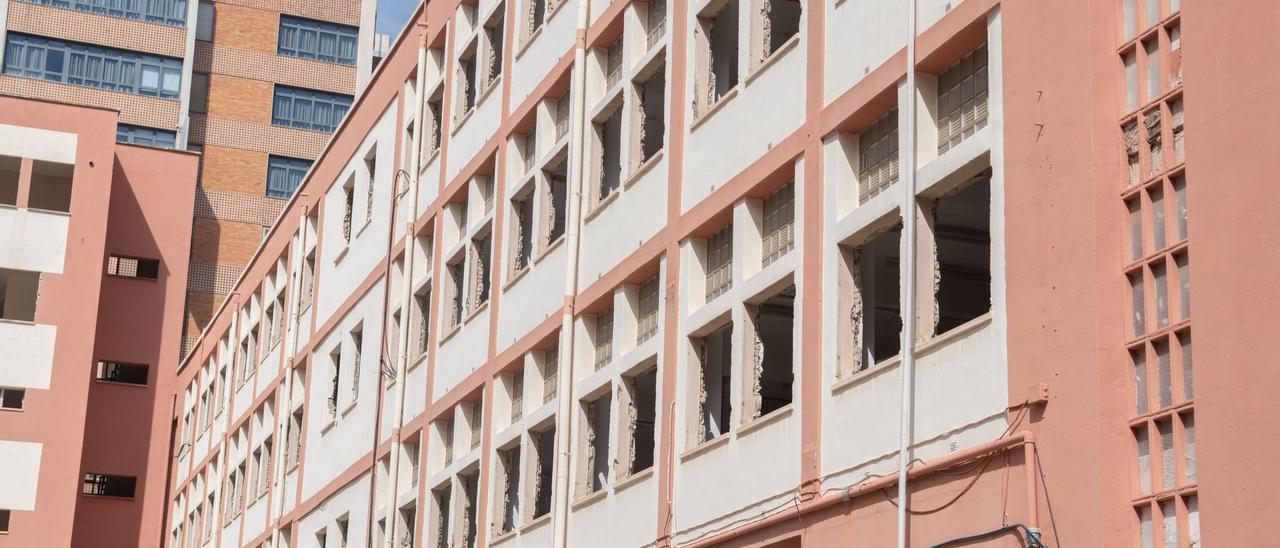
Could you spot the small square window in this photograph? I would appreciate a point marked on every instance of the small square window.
(130, 267)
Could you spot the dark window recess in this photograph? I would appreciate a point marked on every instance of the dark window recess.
(644, 393)
(716, 406)
(129, 267)
(12, 398)
(103, 485)
(773, 351)
(962, 229)
(545, 442)
(125, 373)
(880, 317)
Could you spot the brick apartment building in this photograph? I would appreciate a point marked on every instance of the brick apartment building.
(93, 267)
(748, 272)
(255, 86)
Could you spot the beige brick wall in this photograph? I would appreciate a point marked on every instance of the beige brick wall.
(79, 26)
(246, 27)
(347, 12)
(200, 307)
(224, 241)
(235, 170)
(256, 65)
(240, 99)
(284, 141)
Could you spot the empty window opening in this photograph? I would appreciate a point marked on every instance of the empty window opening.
(18, 292)
(341, 525)
(715, 371)
(1160, 277)
(50, 186)
(719, 262)
(562, 114)
(493, 49)
(454, 271)
(1179, 140)
(408, 516)
(779, 231)
(653, 121)
(878, 156)
(962, 229)
(422, 321)
(537, 15)
(293, 449)
(308, 282)
(480, 272)
(357, 345)
(446, 440)
(545, 450)
(124, 373)
(509, 461)
(335, 358)
(371, 170)
(10, 168)
(129, 267)
(602, 338)
(105, 485)
(12, 398)
(434, 110)
(468, 505)
(466, 82)
(1184, 285)
(348, 195)
(522, 244)
(962, 99)
(443, 499)
(642, 420)
(608, 142)
(556, 199)
(773, 371)
(647, 318)
(475, 422)
(1131, 148)
(780, 21)
(875, 316)
(718, 54)
(596, 420)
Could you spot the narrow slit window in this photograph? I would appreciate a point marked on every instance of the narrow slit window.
(878, 156)
(608, 151)
(1140, 391)
(647, 319)
(1144, 460)
(1164, 373)
(129, 267)
(443, 500)
(597, 420)
(550, 373)
(652, 102)
(1135, 228)
(602, 338)
(719, 262)
(1189, 447)
(509, 493)
(555, 197)
(544, 445)
(470, 509)
(1160, 277)
(522, 252)
(1137, 304)
(642, 419)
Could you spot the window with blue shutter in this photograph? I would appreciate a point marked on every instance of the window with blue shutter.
(308, 109)
(164, 12)
(284, 175)
(318, 40)
(93, 66)
(142, 135)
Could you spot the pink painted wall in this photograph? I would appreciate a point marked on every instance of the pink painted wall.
(55, 417)
(139, 321)
(1231, 119)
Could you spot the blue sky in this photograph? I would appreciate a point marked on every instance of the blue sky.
(392, 15)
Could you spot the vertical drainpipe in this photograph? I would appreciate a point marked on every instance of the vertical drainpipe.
(564, 403)
(285, 409)
(406, 291)
(908, 210)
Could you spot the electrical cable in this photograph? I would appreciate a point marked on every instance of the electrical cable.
(1033, 538)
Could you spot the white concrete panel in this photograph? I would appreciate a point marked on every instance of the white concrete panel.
(626, 518)
(764, 111)
(255, 517)
(463, 353)
(33, 240)
(19, 471)
(545, 50)
(26, 354)
(861, 35)
(474, 132)
(38, 144)
(623, 226)
(537, 295)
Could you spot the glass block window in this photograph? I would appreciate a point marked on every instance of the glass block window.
(719, 262)
(779, 224)
(647, 322)
(164, 12)
(284, 175)
(603, 340)
(318, 40)
(962, 99)
(93, 66)
(141, 135)
(878, 156)
(308, 109)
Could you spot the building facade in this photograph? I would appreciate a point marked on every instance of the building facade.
(760, 273)
(256, 87)
(93, 267)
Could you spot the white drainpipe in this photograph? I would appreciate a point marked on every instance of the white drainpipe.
(565, 368)
(909, 274)
(406, 293)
